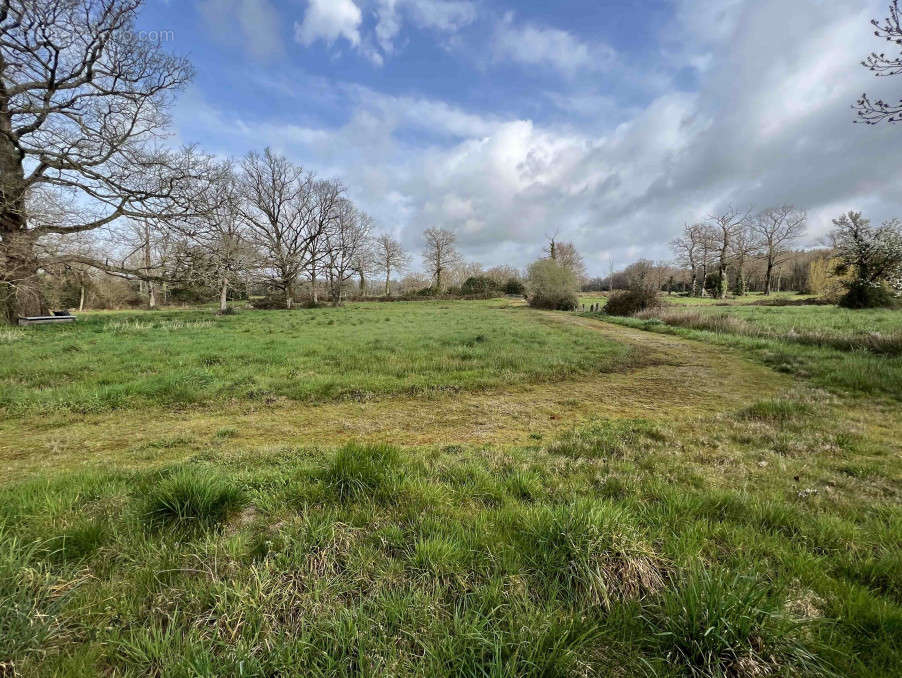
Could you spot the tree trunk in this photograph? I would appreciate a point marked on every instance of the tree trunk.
(224, 296)
(289, 294)
(81, 298)
(362, 283)
(387, 282)
(313, 293)
(20, 289)
(768, 276)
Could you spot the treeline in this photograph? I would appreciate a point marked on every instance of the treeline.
(736, 253)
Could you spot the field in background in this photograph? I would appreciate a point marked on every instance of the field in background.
(450, 488)
(110, 361)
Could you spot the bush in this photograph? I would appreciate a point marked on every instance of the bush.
(514, 286)
(552, 286)
(632, 301)
(271, 302)
(191, 495)
(479, 286)
(866, 295)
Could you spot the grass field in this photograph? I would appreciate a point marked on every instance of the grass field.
(119, 360)
(839, 349)
(563, 497)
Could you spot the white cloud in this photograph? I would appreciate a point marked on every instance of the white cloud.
(446, 16)
(257, 23)
(769, 123)
(542, 46)
(329, 20)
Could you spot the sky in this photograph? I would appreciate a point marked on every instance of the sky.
(609, 123)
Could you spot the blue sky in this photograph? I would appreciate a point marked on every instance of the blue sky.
(609, 122)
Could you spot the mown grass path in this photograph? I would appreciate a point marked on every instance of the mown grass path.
(679, 379)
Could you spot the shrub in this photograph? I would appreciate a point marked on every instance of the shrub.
(479, 286)
(271, 302)
(717, 625)
(552, 286)
(632, 301)
(866, 295)
(191, 495)
(514, 286)
(361, 470)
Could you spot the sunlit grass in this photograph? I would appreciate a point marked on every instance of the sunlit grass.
(178, 358)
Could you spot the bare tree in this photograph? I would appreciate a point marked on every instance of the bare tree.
(777, 229)
(440, 254)
(745, 245)
(390, 257)
(566, 254)
(346, 238)
(688, 250)
(872, 112)
(327, 196)
(725, 225)
(278, 207)
(221, 236)
(365, 263)
(83, 99)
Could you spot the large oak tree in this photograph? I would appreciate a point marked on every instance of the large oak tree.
(83, 104)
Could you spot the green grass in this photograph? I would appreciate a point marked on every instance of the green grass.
(759, 538)
(538, 560)
(845, 351)
(109, 361)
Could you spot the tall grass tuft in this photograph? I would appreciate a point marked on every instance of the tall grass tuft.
(718, 625)
(362, 471)
(191, 496)
(776, 411)
(588, 553)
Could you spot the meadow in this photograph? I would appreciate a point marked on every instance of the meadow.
(564, 496)
(115, 360)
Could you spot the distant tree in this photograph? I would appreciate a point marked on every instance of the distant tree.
(726, 225)
(553, 286)
(745, 245)
(277, 205)
(688, 250)
(872, 256)
(872, 112)
(390, 258)
(777, 229)
(440, 254)
(325, 198)
(221, 236)
(346, 240)
(566, 254)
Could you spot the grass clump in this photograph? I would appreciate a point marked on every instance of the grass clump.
(778, 411)
(718, 625)
(359, 471)
(588, 553)
(607, 439)
(191, 496)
